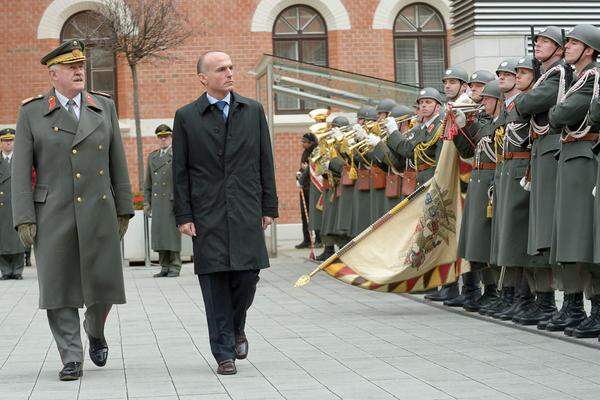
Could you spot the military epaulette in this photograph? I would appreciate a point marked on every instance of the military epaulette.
(100, 93)
(30, 99)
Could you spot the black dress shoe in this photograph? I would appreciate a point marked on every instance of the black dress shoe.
(161, 274)
(71, 371)
(241, 347)
(18, 277)
(226, 367)
(303, 245)
(98, 350)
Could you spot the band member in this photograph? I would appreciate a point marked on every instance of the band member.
(224, 183)
(477, 82)
(80, 207)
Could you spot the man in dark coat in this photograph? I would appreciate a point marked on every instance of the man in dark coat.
(11, 248)
(80, 207)
(225, 196)
(158, 204)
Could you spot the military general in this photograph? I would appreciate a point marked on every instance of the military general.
(80, 206)
(158, 203)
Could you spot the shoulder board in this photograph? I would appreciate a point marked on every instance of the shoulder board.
(30, 99)
(100, 93)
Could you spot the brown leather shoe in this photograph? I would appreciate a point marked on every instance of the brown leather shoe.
(227, 367)
(241, 347)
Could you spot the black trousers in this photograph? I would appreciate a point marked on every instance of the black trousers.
(227, 297)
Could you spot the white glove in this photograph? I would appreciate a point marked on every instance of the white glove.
(391, 124)
(337, 134)
(594, 191)
(298, 185)
(326, 164)
(373, 140)
(359, 132)
(525, 184)
(461, 118)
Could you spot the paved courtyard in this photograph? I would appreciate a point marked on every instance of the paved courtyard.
(325, 341)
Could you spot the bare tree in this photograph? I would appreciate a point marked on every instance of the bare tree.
(143, 30)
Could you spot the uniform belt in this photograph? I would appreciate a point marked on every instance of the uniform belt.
(510, 155)
(424, 167)
(484, 165)
(590, 137)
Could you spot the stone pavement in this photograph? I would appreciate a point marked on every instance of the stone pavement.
(325, 341)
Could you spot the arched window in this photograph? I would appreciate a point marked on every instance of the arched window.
(419, 46)
(299, 33)
(100, 64)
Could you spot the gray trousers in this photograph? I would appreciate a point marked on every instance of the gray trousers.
(12, 264)
(539, 279)
(512, 276)
(489, 274)
(64, 324)
(590, 276)
(567, 278)
(169, 260)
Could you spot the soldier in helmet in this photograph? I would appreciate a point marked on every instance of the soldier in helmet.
(11, 249)
(328, 234)
(158, 203)
(477, 82)
(475, 233)
(572, 234)
(511, 217)
(541, 181)
(455, 83)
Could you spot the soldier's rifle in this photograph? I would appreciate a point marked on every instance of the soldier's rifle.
(537, 68)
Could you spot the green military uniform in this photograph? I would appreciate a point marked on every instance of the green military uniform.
(12, 258)
(573, 229)
(81, 202)
(158, 198)
(595, 118)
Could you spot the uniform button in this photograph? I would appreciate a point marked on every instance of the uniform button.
(155, 194)
(1, 193)
(220, 153)
(55, 129)
(1, 204)
(101, 172)
(99, 147)
(103, 197)
(216, 130)
(74, 151)
(164, 183)
(156, 173)
(78, 175)
(79, 199)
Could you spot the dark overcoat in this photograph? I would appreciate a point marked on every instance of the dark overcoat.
(224, 182)
(9, 240)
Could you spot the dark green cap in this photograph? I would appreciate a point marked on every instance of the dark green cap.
(481, 76)
(588, 34)
(456, 73)
(402, 110)
(69, 52)
(507, 66)
(492, 89)
(163, 130)
(553, 33)
(7, 133)
(430, 93)
(525, 62)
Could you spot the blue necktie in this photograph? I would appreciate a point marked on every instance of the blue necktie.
(221, 106)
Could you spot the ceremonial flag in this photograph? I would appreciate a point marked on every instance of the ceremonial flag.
(413, 247)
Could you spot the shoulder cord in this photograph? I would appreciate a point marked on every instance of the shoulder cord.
(420, 152)
(541, 130)
(512, 136)
(585, 125)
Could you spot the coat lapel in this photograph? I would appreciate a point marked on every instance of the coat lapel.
(89, 119)
(158, 162)
(4, 169)
(60, 120)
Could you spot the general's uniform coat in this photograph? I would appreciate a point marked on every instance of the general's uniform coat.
(224, 182)
(9, 240)
(573, 230)
(537, 102)
(82, 186)
(158, 193)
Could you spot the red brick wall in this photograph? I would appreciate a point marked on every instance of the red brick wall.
(167, 85)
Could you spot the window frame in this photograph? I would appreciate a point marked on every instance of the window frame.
(419, 35)
(300, 39)
(90, 45)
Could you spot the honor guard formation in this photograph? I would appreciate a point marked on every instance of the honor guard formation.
(527, 135)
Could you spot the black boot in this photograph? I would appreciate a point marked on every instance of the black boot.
(490, 294)
(519, 304)
(469, 290)
(327, 252)
(590, 327)
(447, 292)
(543, 309)
(302, 245)
(505, 301)
(571, 313)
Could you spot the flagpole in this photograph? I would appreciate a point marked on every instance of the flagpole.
(305, 279)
